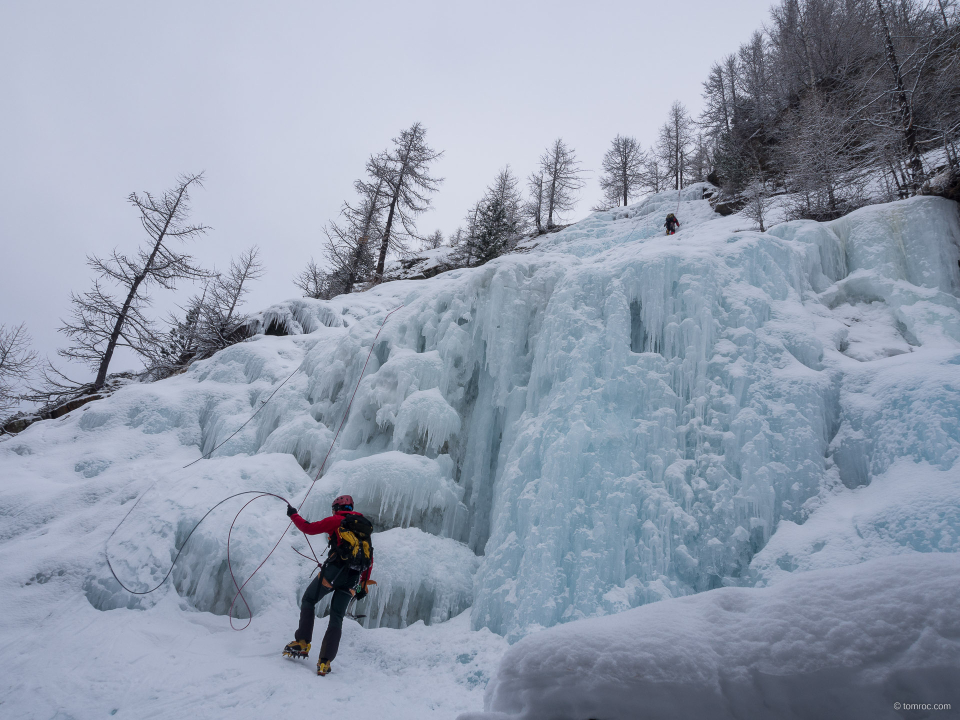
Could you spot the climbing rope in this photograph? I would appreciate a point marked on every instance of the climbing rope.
(258, 493)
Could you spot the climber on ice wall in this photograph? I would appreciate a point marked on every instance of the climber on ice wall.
(671, 224)
(345, 573)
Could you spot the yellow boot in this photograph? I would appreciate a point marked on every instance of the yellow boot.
(323, 666)
(297, 649)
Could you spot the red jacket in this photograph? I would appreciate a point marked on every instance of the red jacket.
(329, 526)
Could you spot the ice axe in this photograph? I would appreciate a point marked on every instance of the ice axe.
(349, 614)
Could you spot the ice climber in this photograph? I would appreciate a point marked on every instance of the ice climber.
(671, 224)
(345, 573)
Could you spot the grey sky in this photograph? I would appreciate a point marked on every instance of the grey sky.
(281, 103)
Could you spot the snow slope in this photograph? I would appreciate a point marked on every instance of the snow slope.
(609, 419)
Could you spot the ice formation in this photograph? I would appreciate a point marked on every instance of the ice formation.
(606, 419)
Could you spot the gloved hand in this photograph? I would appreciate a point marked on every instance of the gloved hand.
(291, 510)
(361, 593)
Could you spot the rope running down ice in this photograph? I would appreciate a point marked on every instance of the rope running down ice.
(258, 494)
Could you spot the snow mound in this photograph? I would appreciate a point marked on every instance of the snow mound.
(837, 643)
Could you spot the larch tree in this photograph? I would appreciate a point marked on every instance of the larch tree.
(17, 362)
(313, 282)
(533, 207)
(350, 242)
(673, 146)
(623, 166)
(433, 241)
(100, 321)
(212, 320)
(562, 180)
(655, 176)
(699, 160)
(404, 171)
(717, 102)
(223, 320)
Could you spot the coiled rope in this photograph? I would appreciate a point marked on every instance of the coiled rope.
(258, 493)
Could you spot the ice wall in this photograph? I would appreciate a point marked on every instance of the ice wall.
(630, 417)
(604, 420)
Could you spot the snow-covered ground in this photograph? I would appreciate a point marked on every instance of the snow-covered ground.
(611, 419)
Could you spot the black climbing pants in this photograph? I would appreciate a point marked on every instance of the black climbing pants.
(341, 581)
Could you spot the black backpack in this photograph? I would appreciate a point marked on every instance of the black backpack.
(352, 547)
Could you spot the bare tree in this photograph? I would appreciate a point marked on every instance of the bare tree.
(533, 207)
(655, 176)
(351, 260)
(622, 170)
(101, 323)
(757, 196)
(17, 362)
(313, 282)
(717, 116)
(673, 147)
(365, 218)
(561, 179)
(820, 159)
(904, 106)
(888, 73)
(433, 241)
(350, 243)
(223, 319)
(919, 93)
(699, 160)
(212, 321)
(404, 172)
(456, 237)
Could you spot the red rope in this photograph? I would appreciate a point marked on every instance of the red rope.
(346, 413)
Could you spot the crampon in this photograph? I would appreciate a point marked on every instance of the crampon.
(297, 649)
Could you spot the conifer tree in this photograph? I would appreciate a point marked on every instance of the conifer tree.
(404, 172)
(495, 222)
(101, 322)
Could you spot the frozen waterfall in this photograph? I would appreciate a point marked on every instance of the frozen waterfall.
(609, 419)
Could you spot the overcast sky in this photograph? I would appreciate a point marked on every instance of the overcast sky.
(281, 103)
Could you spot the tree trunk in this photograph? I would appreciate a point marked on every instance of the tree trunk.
(906, 112)
(553, 191)
(382, 259)
(943, 14)
(122, 317)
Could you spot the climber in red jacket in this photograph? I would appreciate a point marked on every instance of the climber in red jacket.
(345, 573)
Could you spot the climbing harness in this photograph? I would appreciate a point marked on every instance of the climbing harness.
(257, 493)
